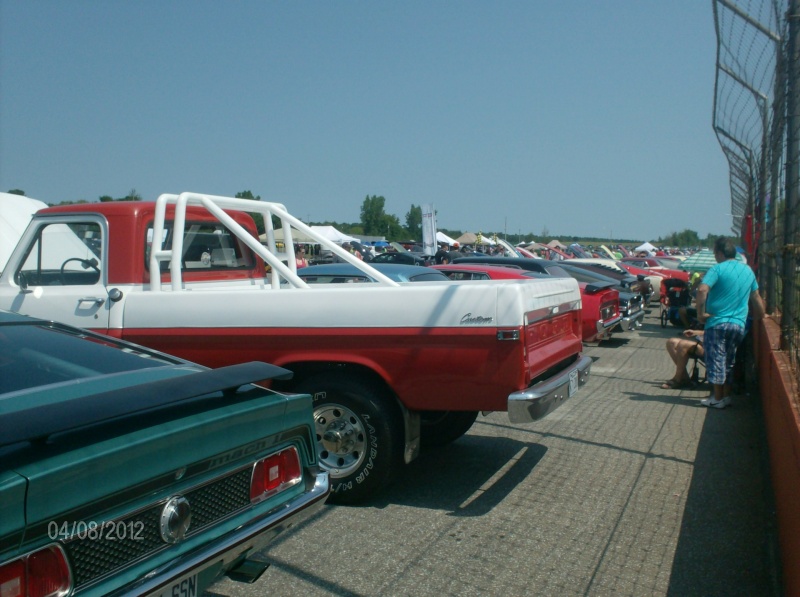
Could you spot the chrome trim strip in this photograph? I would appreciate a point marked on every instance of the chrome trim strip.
(550, 312)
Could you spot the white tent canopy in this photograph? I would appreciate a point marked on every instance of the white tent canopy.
(15, 214)
(331, 233)
(297, 236)
(646, 247)
(441, 237)
(328, 232)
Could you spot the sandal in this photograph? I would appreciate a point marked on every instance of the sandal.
(674, 384)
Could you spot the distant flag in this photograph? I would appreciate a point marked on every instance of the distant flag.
(428, 230)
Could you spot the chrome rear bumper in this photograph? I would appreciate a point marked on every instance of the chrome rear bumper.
(537, 401)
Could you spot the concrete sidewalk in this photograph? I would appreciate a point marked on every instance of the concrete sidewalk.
(726, 541)
(627, 489)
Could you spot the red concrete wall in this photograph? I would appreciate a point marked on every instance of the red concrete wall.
(779, 394)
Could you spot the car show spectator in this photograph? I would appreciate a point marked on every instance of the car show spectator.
(442, 256)
(723, 297)
(350, 249)
(680, 349)
(355, 251)
(361, 251)
(300, 256)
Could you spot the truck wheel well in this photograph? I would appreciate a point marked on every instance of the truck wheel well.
(303, 371)
(411, 420)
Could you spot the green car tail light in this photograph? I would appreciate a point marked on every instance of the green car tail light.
(274, 474)
(42, 573)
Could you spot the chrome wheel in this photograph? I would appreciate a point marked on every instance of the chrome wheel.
(341, 439)
(359, 434)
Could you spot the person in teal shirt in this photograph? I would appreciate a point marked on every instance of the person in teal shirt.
(724, 296)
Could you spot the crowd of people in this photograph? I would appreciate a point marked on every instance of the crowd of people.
(447, 253)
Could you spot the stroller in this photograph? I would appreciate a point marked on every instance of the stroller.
(674, 295)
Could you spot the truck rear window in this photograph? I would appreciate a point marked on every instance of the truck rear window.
(206, 246)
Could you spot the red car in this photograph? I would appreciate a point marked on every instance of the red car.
(599, 303)
(669, 268)
(641, 265)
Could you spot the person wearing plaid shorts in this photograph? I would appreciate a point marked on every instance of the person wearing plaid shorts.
(723, 298)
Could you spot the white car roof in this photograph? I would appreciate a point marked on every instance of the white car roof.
(600, 261)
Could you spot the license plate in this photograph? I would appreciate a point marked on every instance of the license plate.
(573, 382)
(183, 587)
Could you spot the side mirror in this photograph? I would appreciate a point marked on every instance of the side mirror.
(22, 282)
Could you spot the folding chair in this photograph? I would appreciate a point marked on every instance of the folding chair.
(697, 362)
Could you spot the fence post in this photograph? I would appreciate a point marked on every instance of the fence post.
(791, 237)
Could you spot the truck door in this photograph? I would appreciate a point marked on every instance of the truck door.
(60, 274)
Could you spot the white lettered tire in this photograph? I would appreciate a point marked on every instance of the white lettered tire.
(358, 433)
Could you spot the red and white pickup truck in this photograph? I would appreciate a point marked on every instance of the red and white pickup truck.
(390, 366)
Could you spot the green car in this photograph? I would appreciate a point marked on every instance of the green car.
(127, 471)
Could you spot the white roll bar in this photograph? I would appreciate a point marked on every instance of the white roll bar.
(216, 206)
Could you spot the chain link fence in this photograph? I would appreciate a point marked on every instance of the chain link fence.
(756, 118)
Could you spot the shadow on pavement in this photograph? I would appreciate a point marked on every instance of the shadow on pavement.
(727, 543)
(467, 478)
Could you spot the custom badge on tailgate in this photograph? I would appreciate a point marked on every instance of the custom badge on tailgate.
(469, 319)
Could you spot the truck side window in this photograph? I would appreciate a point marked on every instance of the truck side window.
(63, 255)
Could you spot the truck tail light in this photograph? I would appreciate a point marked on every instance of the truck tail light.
(43, 573)
(512, 335)
(273, 474)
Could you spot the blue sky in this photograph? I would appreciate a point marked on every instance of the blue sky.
(580, 118)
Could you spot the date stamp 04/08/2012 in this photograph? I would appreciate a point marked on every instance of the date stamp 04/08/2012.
(96, 531)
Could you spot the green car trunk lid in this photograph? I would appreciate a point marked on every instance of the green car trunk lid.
(83, 481)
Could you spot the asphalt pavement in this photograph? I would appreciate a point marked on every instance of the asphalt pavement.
(627, 489)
